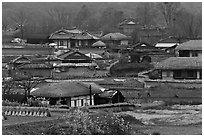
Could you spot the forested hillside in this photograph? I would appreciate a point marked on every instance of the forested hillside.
(44, 18)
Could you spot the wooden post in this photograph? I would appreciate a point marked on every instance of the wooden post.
(90, 95)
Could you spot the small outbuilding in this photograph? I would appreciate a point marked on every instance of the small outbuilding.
(109, 96)
(99, 44)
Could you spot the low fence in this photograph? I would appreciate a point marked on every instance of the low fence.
(167, 100)
(115, 107)
(25, 111)
(175, 83)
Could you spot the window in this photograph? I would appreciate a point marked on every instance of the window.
(192, 74)
(177, 74)
(184, 53)
(194, 54)
(168, 73)
(61, 43)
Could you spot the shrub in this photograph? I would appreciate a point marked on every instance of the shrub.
(129, 68)
(9, 103)
(83, 122)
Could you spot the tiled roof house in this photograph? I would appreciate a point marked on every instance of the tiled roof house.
(71, 38)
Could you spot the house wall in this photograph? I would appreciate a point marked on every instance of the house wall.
(73, 43)
(128, 29)
(124, 42)
(192, 53)
(75, 72)
(27, 51)
(167, 74)
(170, 74)
(37, 72)
(81, 101)
(189, 53)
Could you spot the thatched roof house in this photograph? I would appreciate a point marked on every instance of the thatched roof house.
(67, 89)
(73, 93)
(192, 48)
(115, 36)
(181, 68)
(190, 45)
(173, 63)
(99, 44)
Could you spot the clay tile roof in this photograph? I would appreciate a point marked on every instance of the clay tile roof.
(71, 34)
(180, 63)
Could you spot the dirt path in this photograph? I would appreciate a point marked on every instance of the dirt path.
(172, 130)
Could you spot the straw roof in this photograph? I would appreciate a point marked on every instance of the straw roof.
(99, 44)
(115, 36)
(190, 45)
(174, 63)
(67, 89)
(35, 66)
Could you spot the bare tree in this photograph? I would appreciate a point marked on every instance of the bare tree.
(21, 18)
(146, 13)
(27, 84)
(169, 10)
(5, 23)
(60, 16)
(189, 24)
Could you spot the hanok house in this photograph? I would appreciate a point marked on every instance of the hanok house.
(180, 68)
(50, 59)
(169, 44)
(72, 94)
(191, 48)
(19, 61)
(143, 49)
(148, 34)
(99, 44)
(34, 69)
(115, 41)
(71, 38)
(109, 96)
(75, 63)
(127, 26)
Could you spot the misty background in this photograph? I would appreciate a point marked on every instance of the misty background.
(184, 19)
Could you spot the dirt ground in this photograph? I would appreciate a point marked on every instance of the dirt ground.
(172, 130)
(173, 120)
(176, 120)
